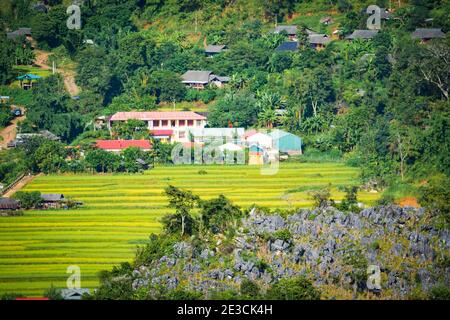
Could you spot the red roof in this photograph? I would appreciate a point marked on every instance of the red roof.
(250, 133)
(157, 115)
(122, 144)
(162, 132)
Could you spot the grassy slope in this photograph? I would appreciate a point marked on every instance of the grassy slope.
(122, 210)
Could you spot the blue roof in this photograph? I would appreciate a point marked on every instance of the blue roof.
(288, 46)
(29, 76)
(256, 148)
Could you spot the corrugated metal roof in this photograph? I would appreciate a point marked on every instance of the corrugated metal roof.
(288, 46)
(214, 48)
(424, 33)
(8, 204)
(196, 76)
(363, 34)
(217, 132)
(52, 197)
(157, 115)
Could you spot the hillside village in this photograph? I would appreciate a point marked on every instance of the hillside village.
(143, 87)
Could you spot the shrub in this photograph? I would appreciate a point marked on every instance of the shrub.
(321, 197)
(298, 288)
(249, 289)
(435, 196)
(283, 234)
(53, 293)
(28, 200)
(181, 294)
(439, 292)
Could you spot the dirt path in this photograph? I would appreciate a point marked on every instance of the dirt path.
(22, 183)
(9, 133)
(69, 76)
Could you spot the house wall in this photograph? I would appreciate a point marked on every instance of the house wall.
(290, 144)
(261, 139)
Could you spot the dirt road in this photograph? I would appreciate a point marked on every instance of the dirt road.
(9, 133)
(22, 183)
(69, 76)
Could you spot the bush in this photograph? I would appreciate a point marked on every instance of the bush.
(435, 196)
(181, 294)
(283, 234)
(439, 292)
(299, 288)
(28, 200)
(249, 289)
(53, 293)
(321, 197)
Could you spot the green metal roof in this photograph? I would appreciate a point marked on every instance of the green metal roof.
(29, 76)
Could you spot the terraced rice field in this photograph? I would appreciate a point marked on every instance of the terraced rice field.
(120, 211)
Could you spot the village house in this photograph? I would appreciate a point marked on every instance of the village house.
(160, 122)
(204, 135)
(326, 20)
(286, 142)
(21, 32)
(317, 41)
(200, 79)
(117, 146)
(27, 81)
(291, 31)
(7, 204)
(52, 200)
(22, 138)
(212, 50)
(425, 35)
(362, 34)
(260, 139)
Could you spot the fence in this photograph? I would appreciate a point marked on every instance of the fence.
(12, 184)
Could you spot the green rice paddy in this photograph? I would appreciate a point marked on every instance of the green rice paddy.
(120, 211)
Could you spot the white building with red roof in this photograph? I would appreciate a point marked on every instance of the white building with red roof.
(165, 124)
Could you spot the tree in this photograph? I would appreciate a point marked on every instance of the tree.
(218, 214)
(183, 202)
(166, 86)
(94, 70)
(249, 289)
(238, 109)
(298, 288)
(28, 200)
(103, 161)
(52, 109)
(130, 157)
(7, 58)
(50, 157)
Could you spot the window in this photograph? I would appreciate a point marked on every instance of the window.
(156, 123)
(182, 134)
(164, 123)
(190, 123)
(173, 123)
(182, 122)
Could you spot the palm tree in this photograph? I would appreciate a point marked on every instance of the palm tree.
(267, 117)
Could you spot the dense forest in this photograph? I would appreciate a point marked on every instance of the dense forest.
(380, 104)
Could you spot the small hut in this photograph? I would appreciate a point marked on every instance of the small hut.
(28, 80)
(52, 200)
(7, 204)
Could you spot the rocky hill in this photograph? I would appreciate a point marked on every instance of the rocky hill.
(331, 248)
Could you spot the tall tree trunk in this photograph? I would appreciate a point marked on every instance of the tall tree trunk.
(182, 225)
